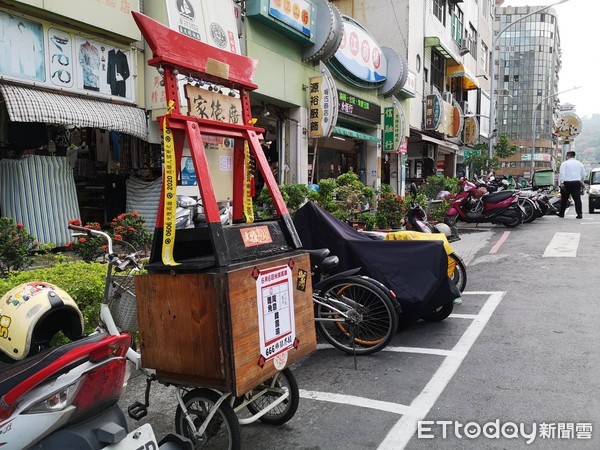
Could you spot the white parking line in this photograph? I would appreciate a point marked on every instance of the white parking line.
(563, 245)
(421, 350)
(355, 401)
(401, 433)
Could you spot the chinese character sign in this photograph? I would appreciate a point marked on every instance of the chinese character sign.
(433, 112)
(210, 105)
(315, 107)
(391, 129)
(275, 301)
(322, 106)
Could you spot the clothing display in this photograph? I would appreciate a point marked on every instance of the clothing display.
(117, 72)
(89, 59)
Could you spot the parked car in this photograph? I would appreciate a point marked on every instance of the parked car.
(594, 189)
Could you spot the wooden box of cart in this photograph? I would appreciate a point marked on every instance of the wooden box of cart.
(205, 328)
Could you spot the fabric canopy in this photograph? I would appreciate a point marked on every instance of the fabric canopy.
(469, 81)
(33, 105)
(417, 271)
(355, 134)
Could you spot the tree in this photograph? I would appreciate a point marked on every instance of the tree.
(503, 149)
(481, 163)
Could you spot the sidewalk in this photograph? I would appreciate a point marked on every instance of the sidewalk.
(472, 239)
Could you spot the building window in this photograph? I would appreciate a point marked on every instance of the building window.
(439, 10)
(457, 24)
(472, 42)
(438, 69)
(484, 57)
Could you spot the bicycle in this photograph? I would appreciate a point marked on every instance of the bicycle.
(206, 416)
(355, 314)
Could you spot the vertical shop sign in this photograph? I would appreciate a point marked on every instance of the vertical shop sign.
(471, 130)
(322, 104)
(275, 301)
(394, 128)
(315, 111)
(433, 111)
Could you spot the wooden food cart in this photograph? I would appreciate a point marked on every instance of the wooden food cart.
(224, 306)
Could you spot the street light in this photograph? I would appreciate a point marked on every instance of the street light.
(493, 68)
(532, 163)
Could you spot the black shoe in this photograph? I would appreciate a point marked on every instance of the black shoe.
(561, 215)
(579, 217)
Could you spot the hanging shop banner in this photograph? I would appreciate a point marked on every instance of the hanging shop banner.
(433, 111)
(275, 301)
(471, 130)
(323, 107)
(568, 125)
(295, 19)
(201, 20)
(56, 58)
(357, 107)
(211, 105)
(394, 128)
(359, 56)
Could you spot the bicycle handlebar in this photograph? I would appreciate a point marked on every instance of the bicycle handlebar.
(112, 257)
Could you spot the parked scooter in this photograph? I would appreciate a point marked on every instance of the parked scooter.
(189, 213)
(64, 397)
(472, 206)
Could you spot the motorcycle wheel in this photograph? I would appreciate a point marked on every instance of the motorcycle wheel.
(459, 273)
(529, 208)
(544, 207)
(513, 218)
(440, 313)
(223, 431)
(280, 414)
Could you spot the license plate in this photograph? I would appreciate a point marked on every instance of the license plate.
(142, 437)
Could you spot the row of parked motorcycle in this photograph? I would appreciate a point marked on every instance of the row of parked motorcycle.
(494, 200)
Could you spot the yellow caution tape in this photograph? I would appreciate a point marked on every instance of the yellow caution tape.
(170, 195)
(248, 208)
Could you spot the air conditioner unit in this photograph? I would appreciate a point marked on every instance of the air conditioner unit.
(428, 151)
(464, 47)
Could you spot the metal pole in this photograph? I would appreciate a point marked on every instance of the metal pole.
(493, 70)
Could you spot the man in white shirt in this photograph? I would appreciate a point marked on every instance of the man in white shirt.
(571, 178)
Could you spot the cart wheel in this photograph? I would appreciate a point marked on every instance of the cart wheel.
(280, 414)
(223, 431)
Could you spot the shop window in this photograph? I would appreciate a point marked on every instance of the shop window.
(438, 70)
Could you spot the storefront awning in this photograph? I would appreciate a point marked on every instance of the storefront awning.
(33, 105)
(469, 81)
(446, 145)
(438, 44)
(355, 134)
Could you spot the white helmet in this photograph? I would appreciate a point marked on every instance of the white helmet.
(443, 228)
(31, 314)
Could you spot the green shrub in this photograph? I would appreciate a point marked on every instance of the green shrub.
(89, 248)
(129, 227)
(84, 282)
(391, 209)
(16, 246)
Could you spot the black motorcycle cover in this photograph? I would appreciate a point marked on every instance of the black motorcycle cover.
(417, 271)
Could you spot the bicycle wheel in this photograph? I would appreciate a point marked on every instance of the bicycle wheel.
(357, 317)
(223, 431)
(457, 271)
(280, 383)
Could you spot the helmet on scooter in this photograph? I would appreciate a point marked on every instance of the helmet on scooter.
(443, 228)
(31, 314)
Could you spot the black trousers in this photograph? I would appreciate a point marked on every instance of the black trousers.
(573, 189)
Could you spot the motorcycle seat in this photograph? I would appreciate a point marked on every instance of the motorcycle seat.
(495, 197)
(14, 373)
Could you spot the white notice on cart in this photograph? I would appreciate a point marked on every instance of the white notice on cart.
(275, 298)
